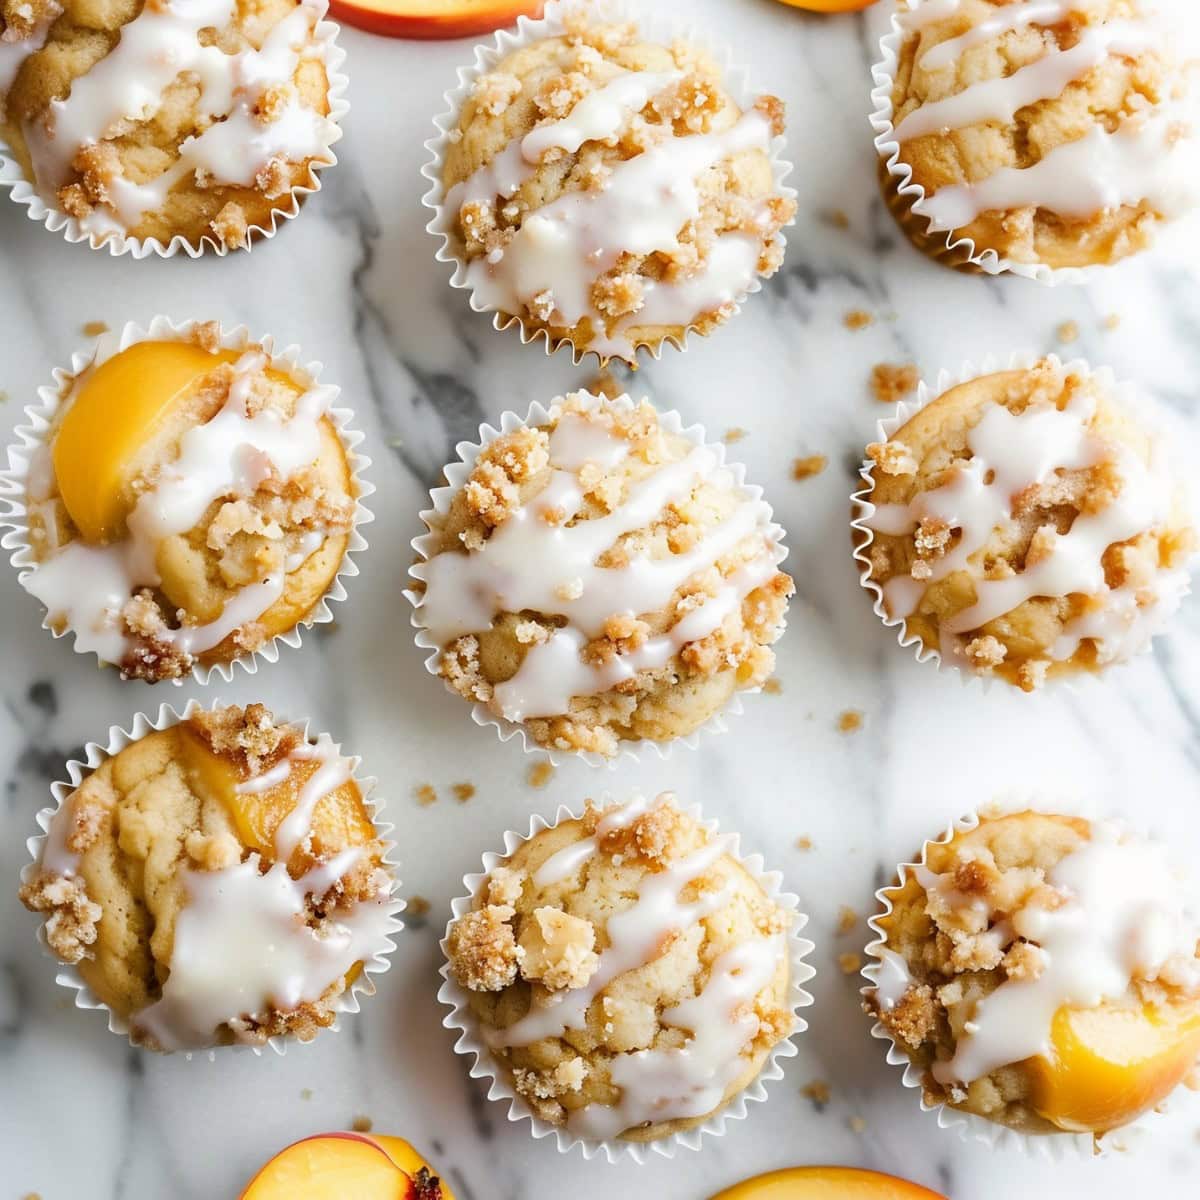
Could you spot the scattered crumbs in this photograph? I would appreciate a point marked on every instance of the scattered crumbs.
(540, 774)
(847, 919)
(306, 1093)
(849, 721)
(362, 1124)
(1067, 332)
(417, 906)
(734, 435)
(606, 384)
(773, 686)
(857, 1125)
(891, 382)
(857, 318)
(426, 794)
(804, 843)
(817, 1092)
(94, 328)
(849, 964)
(835, 217)
(806, 468)
(1112, 321)
(463, 792)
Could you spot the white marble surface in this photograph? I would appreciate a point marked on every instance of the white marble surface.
(354, 281)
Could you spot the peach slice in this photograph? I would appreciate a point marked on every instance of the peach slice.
(432, 19)
(829, 6)
(337, 1166)
(117, 410)
(826, 1183)
(1110, 1064)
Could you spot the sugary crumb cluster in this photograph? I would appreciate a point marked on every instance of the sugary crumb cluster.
(528, 943)
(153, 812)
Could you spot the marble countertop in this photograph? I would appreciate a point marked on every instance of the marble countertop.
(354, 281)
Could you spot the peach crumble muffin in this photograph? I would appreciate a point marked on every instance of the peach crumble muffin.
(600, 577)
(186, 504)
(1041, 971)
(610, 192)
(1062, 133)
(1024, 525)
(196, 119)
(627, 973)
(220, 880)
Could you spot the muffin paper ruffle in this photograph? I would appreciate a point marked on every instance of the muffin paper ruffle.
(550, 24)
(23, 192)
(456, 475)
(903, 196)
(31, 437)
(863, 509)
(471, 1045)
(1052, 1147)
(95, 753)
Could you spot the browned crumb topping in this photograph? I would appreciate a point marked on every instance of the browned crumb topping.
(655, 838)
(913, 1018)
(230, 225)
(463, 792)
(806, 468)
(892, 457)
(540, 774)
(483, 950)
(247, 735)
(425, 794)
(1068, 332)
(549, 1083)
(850, 721)
(558, 949)
(72, 920)
(857, 318)
(493, 490)
(818, 1091)
(891, 382)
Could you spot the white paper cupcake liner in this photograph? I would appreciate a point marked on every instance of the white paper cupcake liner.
(95, 753)
(425, 545)
(30, 437)
(1130, 398)
(655, 28)
(904, 197)
(1052, 1147)
(483, 1066)
(23, 192)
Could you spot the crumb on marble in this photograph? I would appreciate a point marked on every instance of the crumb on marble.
(849, 720)
(806, 468)
(1067, 332)
(734, 435)
(306, 1093)
(847, 919)
(463, 792)
(891, 382)
(773, 687)
(835, 217)
(417, 906)
(858, 318)
(850, 963)
(94, 328)
(425, 794)
(362, 1124)
(857, 1125)
(540, 774)
(1112, 321)
(804, 842)
(818, 1091)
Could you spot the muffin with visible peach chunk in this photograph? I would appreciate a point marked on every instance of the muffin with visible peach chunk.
(217, 880)
(1041, 971)
(187, 503)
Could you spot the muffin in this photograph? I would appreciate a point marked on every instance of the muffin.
(1061, 134)
(219, 880)
(626, 973)
(187, 504)
(610, 192)
(596, 576)
(1025, 526)
(200, 121)
(1041, 971)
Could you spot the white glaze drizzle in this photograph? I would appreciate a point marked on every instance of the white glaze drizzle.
(1125, 917)
(526, 564)
(1006, 19)
(85, 586)
(15, 50)
(155, 48)
(1010, 453)
(892, 979)
(565, 862)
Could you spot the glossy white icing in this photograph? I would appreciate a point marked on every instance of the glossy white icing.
(1007, 18)
(531, 564)
(1009, 454)
(227, 456)
(154, 49)
(565, 862)
(15, 50)
(892, 979)
(1126, 916)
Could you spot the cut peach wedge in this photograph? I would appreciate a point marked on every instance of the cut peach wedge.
(341, 1166)
(826, 1183)
(432, 19)
(117, 411)
(829, 6)
(1111, 1064)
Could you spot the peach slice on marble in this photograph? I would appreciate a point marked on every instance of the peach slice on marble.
(1109, 1064)
(829, 6)
(432, 19)
(338, 1166)
(118, 410)
(826, 1183)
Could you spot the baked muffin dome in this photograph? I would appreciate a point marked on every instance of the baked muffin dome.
(1062, 133)
(189, 118)
(1042, 971)
(220, 880)
(1026, 526)
(628, 974)
(599, 578)
(187, 504)
(610, 192)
